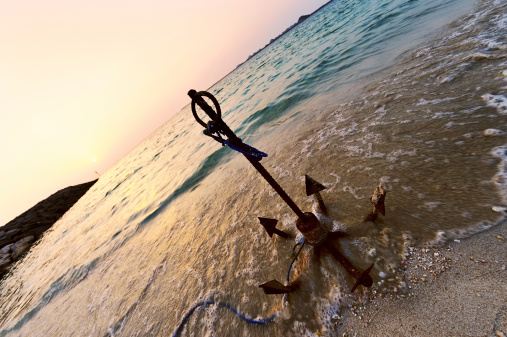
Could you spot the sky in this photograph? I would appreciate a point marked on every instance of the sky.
(84, 82)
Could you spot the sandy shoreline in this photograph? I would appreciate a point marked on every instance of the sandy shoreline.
(462, 292)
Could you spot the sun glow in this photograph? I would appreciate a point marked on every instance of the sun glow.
(95, 79)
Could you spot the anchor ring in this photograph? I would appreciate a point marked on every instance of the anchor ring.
(215, 102)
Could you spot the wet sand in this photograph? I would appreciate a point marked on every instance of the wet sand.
(459, 289)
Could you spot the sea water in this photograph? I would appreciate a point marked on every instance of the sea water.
(408, 93)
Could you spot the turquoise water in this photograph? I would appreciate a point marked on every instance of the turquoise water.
(397, 92)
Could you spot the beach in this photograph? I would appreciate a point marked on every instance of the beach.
(464, 293)
(407, 94)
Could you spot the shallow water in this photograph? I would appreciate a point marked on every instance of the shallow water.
(175, 221)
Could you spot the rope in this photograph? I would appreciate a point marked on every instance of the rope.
(302, 243)
(225, 305)
(240, 315)
(247, 150)
(243, 148)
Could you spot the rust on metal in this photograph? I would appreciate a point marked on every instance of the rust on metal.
(372, 216)
(362, 278)
(377, 199)
(313, 231)
(337, 234)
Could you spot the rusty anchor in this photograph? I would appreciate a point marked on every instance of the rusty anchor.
(362, 278)
(307, 223)
(318, 236)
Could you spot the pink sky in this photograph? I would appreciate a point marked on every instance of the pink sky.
(83, 82)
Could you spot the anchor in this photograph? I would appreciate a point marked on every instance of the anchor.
(315, 233)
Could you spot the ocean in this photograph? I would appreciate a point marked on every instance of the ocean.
(408, 93)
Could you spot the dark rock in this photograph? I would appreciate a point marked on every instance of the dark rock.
(20, 250)
(12, 232)
(18, 235)
(5, 241)
(37, 232)
(303, 18)
(21, 247)
(28, 239)
(5, 262)
(6, 249)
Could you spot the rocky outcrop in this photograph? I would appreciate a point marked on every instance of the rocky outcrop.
(18, 235)
(302, 18)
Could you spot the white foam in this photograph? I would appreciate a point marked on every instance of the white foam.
(447, 79)
(477, 56)
(422, 101)
(393, 156)
(380, 112)
(352, 191)
(422, 52)
(502, 23)
(440, 115)
(451, 124)
(431, 205)
(442, 237)
(466, 215)
(500, 178)
(496, 101)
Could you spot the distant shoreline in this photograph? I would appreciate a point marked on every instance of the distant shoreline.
(300, 20)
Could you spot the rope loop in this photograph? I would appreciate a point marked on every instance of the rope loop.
(212, 129)
(216, 127)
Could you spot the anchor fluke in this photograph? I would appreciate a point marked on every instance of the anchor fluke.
(377, 199)
(270, 227)
(275, 287)
(364, 279)
(313, 187)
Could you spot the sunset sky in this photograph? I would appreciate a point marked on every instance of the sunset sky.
(83, 82)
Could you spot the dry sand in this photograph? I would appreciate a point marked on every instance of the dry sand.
(459, 289)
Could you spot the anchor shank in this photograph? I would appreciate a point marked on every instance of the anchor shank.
(258, 166)
(281, 233)
(338, 256)
(322, 206)
(234, 139)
